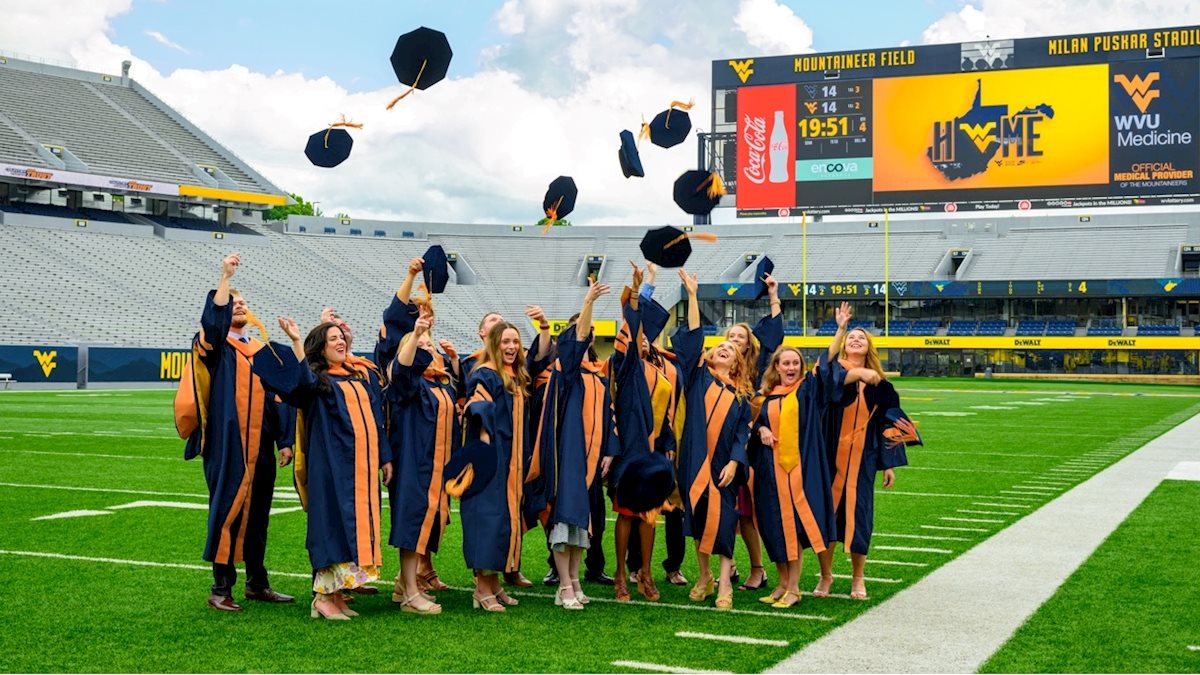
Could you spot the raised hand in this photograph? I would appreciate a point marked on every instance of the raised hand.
(448, 348)
(415, 266)
(424, 323)
(536, 314)
(328, 315)
(230, 264)
(772, 286)
(689, 281)
(843, 315)
(595, 291)
(289, 327)
(637, 274)
(651, 272)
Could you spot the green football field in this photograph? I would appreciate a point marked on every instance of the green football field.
(102, 526)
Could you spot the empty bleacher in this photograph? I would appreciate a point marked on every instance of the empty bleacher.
(1030, 328)
(1104, 328)
(992, 327)
(960, 328)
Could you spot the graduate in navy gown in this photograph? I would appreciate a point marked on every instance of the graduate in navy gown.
(423, 433)
(755, 346)
(343, 451)
(229, 420)
(496, 413)
(576, 425)
(712, 447)
(855, 427)
(790, 470)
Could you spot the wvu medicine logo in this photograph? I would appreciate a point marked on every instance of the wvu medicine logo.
(1140, 90)
(46, 360)
(742, 68)
(968, 144)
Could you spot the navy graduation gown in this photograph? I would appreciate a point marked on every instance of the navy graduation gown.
(491, 519)
(715, 430)
(794, 506)
(423, 432)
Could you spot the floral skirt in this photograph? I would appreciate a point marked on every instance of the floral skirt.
(343, 576)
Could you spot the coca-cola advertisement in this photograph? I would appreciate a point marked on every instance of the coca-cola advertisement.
(765, 157)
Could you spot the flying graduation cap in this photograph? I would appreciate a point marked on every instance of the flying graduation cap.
(470, 469)
(698, 192)
(645, 483)
(631, 161)
(435, 269)
(420, 60)
(764, 267)
(559, 201)
(669, 246)
(671, 126)
(332, 146)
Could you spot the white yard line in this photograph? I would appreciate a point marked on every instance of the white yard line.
(937, 624)
(987, 513)
(954, 529)
(956, 519)
(877, 580)
(933, 537)
(660, 668)
(81, 513)
(1006, 506)
(912, 549)
(736, 639)
(95, 454)
(152, 493)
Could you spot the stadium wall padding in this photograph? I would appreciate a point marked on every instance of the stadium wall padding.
(40, 363)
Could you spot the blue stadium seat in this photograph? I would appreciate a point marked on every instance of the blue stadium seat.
(827, 327)
(961, 328)
(992, 327)
(1029, 328)
(1104, 328)
(709, 330)
(924, 327)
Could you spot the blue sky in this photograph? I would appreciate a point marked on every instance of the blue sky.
(350, 41)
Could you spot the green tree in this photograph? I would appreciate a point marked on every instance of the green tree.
(300, 208)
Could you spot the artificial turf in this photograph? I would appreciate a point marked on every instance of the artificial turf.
(983, 440)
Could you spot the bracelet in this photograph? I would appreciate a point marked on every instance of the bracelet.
(544, 326)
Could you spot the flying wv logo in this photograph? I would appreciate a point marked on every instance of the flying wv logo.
(46, 360)
(742, 68)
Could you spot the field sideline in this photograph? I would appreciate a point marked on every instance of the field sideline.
(121, 586)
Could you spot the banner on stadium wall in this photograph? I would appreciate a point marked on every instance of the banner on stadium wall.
(136, 364)
(601, 327)
(974, 342)
(40, 363)
(88, 180)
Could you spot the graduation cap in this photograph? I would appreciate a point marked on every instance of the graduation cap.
(762, 269)
(671, 126)
(470, 469)
(280, 374)
(646, 482)
(631, 161)
(698, 192)
(435, 269)
(654, 318)
(559, 200)
(420, 60)
(894, 415)
(332, 146)
(669, 246)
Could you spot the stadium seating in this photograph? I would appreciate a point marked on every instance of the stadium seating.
(899, 327)
(1158, 330)
(1104, 328)
(960, 328)
(924, 327)
(1030, 327)
(992, 327)
(1060, 328)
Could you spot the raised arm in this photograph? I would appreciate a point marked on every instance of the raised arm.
(409, 350)
(404, 293)
(843, 319)
(228, 266)
(289, 327)
(536, 314)
(583, 325)
(690, 284)
(773, 294)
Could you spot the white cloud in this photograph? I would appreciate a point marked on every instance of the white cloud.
(1002, 19)
(772, 28)
(550, 100)
(165, 41)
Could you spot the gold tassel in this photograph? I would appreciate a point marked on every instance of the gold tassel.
(253, 320)
(645, 131)
(677, 104)
(342, 123)
(412, 88)
(716, 188)
(552, 216)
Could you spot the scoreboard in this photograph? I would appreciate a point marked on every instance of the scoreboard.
(1093, 120)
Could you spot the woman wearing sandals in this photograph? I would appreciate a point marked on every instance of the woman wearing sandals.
(496, 414)
(755, 346)
(712, 447)
(858, 449)
(423, 435)
(790, 480)
(344, 447)
(577, 420)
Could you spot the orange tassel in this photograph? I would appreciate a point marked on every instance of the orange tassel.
(703, 236)
(716, 188)
(412, 88)
(677, 104)
(253, 320)
(645, 131)
(551, 216)
(342, 123)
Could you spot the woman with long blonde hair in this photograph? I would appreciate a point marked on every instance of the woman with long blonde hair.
(496, 413)
(712, 447)
(790, 479)
(858, 449)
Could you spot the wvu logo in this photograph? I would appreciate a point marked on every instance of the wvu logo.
(981, 135)
(46, 360)
(812, 107)
(796, 289)
(743, 69)
(731, 289)
(1140, 90)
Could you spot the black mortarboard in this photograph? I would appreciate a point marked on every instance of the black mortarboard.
(698, 192)
(669, 246)
(671, 126)
(329, 147)
(470, 469)
(560, 198)
(654, 318)
(276, 365)
(646, 482)
(762, 269)
(435, 269)
(421, 58)
(631, 161)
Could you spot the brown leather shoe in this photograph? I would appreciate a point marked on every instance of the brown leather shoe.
(517, 579)
(268, 595)
(363, 590)
(620, 590)
(223, 603)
